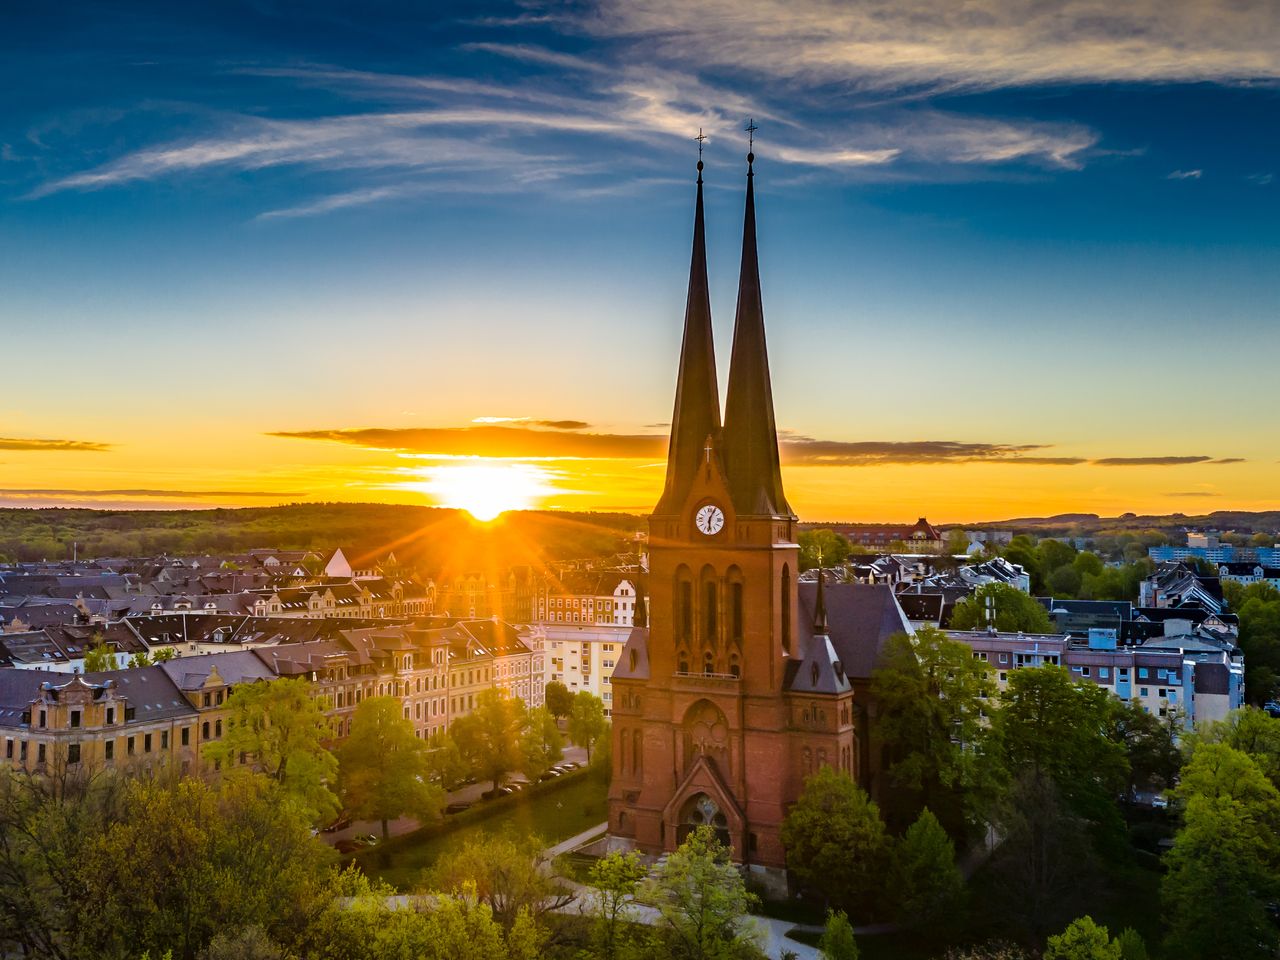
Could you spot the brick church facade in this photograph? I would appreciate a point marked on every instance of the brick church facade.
(731, 690)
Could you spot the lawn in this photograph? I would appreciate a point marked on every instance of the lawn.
(556, 811)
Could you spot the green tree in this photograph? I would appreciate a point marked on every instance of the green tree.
(1258, 606)
(505, 873)
(279, 729)
(835, 842)
(446, 766)
(838, 942)
(1082, 940)
(957, 542)
(1150, 744)
(615, 878)
(926, 883)
(489, 736)
(1088, 564)
(931, 691)
(1052, 727)
(383, 771)
(100, 657)
(587, 722)
(142, 659)
(825, 545)
(702, 902)
(1132, 946)
(558, 699)
(1249, 730)
(1014, 610)
(246, 943)
(541, 744)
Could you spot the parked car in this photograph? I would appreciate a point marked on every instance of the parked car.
(343, 821)
(550, 774)
(366, 840)
(457, 806)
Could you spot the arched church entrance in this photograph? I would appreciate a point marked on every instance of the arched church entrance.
(702, 811)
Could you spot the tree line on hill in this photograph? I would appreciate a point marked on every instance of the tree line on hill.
(433, 539)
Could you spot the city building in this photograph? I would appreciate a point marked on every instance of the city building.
(918, 537)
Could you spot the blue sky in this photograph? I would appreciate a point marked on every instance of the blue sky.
(1008, 223)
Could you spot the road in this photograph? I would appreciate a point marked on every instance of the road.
(467, 794)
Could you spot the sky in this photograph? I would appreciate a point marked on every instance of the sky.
(1019, 257)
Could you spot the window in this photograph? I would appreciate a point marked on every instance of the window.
(111, 715)
(73, 753)
(786, 608)
(164, 739)
(204, 730)
(146, 743)
(686, 609)
(1142, 673)
(75, 718)
(129, 746)
(1144, 692)
(1104, 672)
(109, 749)
(186, 736)
(709, 612)
(40, 748)
(208, 700)
(1162, 693)
(1004, 658)
(42, 722)
(1003, 676)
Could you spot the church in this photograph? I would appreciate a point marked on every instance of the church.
(737, 681)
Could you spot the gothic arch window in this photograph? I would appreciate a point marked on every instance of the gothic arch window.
(706, 733)
(708, 664)
(807, 756)
(682, 663)
(710, 618)
(702, 811)
(735, 667)
(637, 752)
(786, 608)
(684, 609)
(735, 611)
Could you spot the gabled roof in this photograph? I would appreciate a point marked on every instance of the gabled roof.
(860, 618)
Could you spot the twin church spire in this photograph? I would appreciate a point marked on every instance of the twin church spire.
(747, 443)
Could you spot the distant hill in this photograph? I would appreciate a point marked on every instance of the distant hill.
(1090, 524)
(437, 540)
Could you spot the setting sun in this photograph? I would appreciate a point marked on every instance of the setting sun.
(484, 490)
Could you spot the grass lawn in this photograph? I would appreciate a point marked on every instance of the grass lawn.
(556, 812)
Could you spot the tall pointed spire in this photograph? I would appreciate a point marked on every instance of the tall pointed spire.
(697, 412)
(820, 606)
(750, 433)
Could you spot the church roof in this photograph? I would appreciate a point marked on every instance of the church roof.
(860, 618)
(636, 649)
(750, 443)
(697, 411)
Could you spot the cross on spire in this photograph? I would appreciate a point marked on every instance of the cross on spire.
(700, 138)
(751, 129)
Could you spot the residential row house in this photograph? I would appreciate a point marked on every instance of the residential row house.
(605, 598)
(167, 714)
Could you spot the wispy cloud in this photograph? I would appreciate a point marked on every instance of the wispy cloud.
(875, 45)
(1194, 493)
(1185, 175)
(1162, 461)
(30, 443)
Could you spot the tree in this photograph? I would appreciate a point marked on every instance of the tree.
(541, 744)
(926, 883)
(278, 728)
(507, 874)
(702, 901)
(1258, 606)
(931, 691)
(1082, 940)
(246, 943)
(1150, 744)
(957, 542)
(838, 942)
(558, 699)
(835, 842)
(1044, 862)
(383, 771)
(1249, 730)
(446, 766)
(615, 879)
(1054, 728)
(489, 736)
(825, 547)
(587, 722)
(100, 657)
(1014, 610)
(1132, 946)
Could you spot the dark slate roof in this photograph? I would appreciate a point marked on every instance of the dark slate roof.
(17, 689)
(860, 618)
(234, 666)
(637, 643)
(150, 691)
(922, 606)
(820, 670)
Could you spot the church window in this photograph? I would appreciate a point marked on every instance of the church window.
(709, 612)
(786, 609)
(686, 609)
(735, 616)
(735, 667)
(632, 659)
(708, 667)
(684, 662)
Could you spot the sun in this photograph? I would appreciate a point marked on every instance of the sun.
(484, 489)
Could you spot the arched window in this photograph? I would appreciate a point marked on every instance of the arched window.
(632, 659)
(708, 665)
(735, 607)
(637, 752)
(786, 608)
(709, 612)
(684, 615)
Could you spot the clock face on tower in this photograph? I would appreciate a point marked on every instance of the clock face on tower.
(709, 519)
